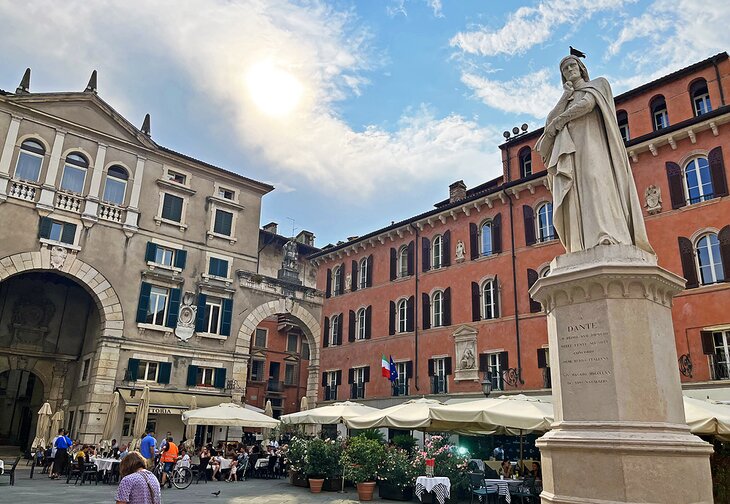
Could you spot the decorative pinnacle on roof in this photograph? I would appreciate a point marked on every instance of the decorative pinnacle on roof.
(146, 125)
(24, 86)
(91, 86)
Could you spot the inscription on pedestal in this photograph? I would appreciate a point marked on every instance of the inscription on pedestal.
(585, 354)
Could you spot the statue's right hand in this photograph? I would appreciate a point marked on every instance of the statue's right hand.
(568, 88)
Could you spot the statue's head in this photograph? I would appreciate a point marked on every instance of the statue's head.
(572, 68)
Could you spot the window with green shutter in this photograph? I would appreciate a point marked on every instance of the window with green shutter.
(63, 232)
(223, 222)
(218, 267)
(172, 207)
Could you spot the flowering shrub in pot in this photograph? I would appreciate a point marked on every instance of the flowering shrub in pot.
(322, 461)
(362, 458)
(451, 462)
(397, 475)
(296, 459)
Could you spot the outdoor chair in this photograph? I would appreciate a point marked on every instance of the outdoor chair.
(201, 470)
(527, 492)
(90, 471)
(74, 469)
(10, 473)
(477, 487)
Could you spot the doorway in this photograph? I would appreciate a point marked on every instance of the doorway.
(21, 396)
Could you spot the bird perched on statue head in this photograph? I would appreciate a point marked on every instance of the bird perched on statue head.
(575, 52)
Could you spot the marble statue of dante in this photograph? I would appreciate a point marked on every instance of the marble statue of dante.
(594, 196)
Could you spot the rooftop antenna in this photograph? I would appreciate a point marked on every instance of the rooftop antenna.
(293, 227)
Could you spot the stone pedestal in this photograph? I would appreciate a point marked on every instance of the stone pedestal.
(619, 434)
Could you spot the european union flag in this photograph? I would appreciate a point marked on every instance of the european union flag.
(393, 370)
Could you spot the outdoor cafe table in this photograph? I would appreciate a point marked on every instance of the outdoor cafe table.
(503, 486)
(103, 464)
(262, 463)
(440, 486)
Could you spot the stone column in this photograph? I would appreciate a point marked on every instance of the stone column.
(101, 389)
(7, 155)
(619, 434)
(92, 199)
(48, 191)
(131, 222)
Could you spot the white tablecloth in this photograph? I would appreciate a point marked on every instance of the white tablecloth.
(103, 464)
(503, 486)
(440, 486)
(224, 462)
(262, 463)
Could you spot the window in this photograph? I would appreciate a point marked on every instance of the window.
(116, 185)
(334, 329)
(127, 425)
(223, 222)
(218, 267)
(659, 115)
(439, 376)
(147, 371)
(437, 254)
(486, 239)
(700, 97)
(358, 384)
(362, 280)
(623, 124)
(543, 362)
(720, 360)
(305, 350)
(525, 157)
(85, 370)
(360, 324)
(289, 374)
(403, 261)
(402, 314)
(400, 386)
(495, 370)
(172, 207)
(30, 159)
(698, 180)
(205, 377)
(545, 229)
(74, 173)
(213, 310)
(226, 194)
(337, 276)
(292, 342)
(164, 256)
(257, 370)
(437, 309)
(177, 177)
(157, 307)
(260, 338)
(58, 231)
(330, 391)
(489, 300)
(709, 260)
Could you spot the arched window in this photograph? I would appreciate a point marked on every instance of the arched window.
(362, 278)
(334, 329)
(545, 230)
(486, 238)
(402, 311)
(360, 324)
(698, 180)
(30, 159)
(437, 309)
(116, 185)
(623, 124)
(403, 261)
(489, 300)
(74, 173)
(437, 252)
(525, 156)
(337, 280)
(709, 261)
(659, 115)
(700, 97)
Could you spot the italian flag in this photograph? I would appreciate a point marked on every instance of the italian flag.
(386, 368)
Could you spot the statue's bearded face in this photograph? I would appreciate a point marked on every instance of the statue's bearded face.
(571, 70)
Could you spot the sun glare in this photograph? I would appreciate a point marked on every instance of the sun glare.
(275, 92)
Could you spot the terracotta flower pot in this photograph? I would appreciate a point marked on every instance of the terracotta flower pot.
(365, 490)
(315, 485)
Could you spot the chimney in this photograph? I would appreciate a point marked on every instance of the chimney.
(306, 237)
(272, 227)
(457, 191)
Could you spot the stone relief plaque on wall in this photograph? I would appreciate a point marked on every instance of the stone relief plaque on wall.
(186, 317)
(465, 350)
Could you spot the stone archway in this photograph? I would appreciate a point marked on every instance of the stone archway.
(310, 327)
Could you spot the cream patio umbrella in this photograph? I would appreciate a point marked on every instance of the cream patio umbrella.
(140, 422)
(228, 415)
(111, 421)
(410, 415)
(269, 412)
(41, 430)
(190, 429)
(706, 417)
(56, 422)
(331, 414)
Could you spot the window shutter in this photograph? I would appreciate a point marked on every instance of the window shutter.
(132, 369)
(483, 363)
(44, 227)
(342, 279)
(326, 336)
(351, 332)
(328, 291)
(324, 379)
(532, 277)
(391, 319)
(497, 234)
(409, 313)
(430, 367)
(69, 233)
(446, 249)
(426, 254)
(351, 376)
(409, 369)
(687, 255)
(708, 344)
(497, 296)
(368, 321)
(163, 375)
(724, 238)
(200, 315)
(339, 377)
(504, 361)
(219, 378)
(411, 248)
(393, 263)
(676, 185)
(717, 172)
(353, 277)
(473, 240)
(366, 374)
(340, 323)
(151, 252)
(447, 366)
(528, 215)
(542, 358)
(181, 257)
(370, 271)
(476, 312)
(425, 311)
(446, 303)
(226, 316)
(192, 376)
(173, 308)
(144, 301)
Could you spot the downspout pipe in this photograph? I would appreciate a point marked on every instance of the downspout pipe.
(416, 269)
(719, 81)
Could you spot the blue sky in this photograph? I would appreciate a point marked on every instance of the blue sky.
(396, 99)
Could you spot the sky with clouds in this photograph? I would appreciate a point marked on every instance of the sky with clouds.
(387, 101)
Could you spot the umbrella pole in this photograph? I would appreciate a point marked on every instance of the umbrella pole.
(521, 458)
(226, 442)
(343, 480)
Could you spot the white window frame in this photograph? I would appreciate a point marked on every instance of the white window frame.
(183, 213)
(494, 296)
(168, 177)
(495, 369)
(207, 377)
(336, 278)
(334, 324)
(213, 302)
(437, 315)
(714, 261)
(146, 374)
(296, 345)
(165, 251)
(106, 181)
(89, 164)
(158, 296)
(437, 252)
(697, 169)
(332, 383)
(358, 380)
(22, 151)
(360, 317)
(65, 220)
(723, 352)
(546, 234)
(488, 225)
(362, 273)
(401, 315)
(526, 166)
(702, 100)
(214, 208)
(403, 261)
(439, 373)
(402, 381)
(661, 119)
(166, 245)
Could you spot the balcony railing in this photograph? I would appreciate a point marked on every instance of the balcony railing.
(111, 213)
(69, 202)
(23, 190)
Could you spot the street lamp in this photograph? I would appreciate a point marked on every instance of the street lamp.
(486, 383)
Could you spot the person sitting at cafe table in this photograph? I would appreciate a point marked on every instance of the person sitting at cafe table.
(536, 471)
(123, 451)
(505, 469)
(169, 458)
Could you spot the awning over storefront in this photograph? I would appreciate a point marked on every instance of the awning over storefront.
(164, 402)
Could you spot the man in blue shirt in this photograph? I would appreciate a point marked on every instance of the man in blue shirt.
(147, 449)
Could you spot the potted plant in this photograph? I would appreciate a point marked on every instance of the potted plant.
(333, 469)
(322, 461)
(361, 459)
(397, 475)
(296, 459)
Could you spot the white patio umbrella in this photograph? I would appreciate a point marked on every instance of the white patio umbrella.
(325, 415)
(56, 422)
(269, 412)
(228, 415)
(140, 422)
(410, 415)
(110, 422)
(41, 430)
(304, 404)
(706, 417)
(190, 429)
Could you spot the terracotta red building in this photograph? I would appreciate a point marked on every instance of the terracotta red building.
(445, 293)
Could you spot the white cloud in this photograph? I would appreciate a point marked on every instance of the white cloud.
(535, 93)
(398, 8)
(437, 7)
(530, 26)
